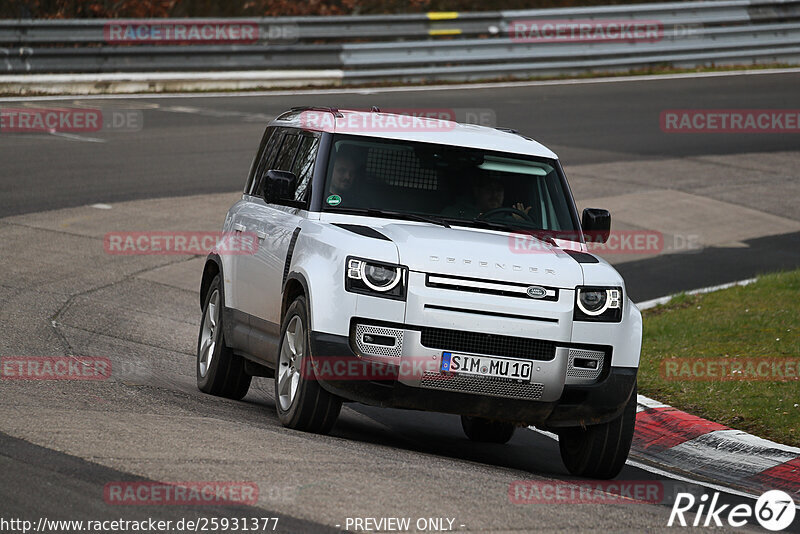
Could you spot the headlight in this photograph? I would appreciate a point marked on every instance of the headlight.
(379, 277)
(376, 278)
(598, 304)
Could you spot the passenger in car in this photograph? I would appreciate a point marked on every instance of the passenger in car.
(346, 170)
(352, 185)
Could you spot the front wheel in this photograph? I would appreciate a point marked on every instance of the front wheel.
(486, 430)
(301, 402)
(219, 371)
(599, 451)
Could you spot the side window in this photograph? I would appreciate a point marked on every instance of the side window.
(287, 153)
(266, 162)
(255, 167)
(303, 166)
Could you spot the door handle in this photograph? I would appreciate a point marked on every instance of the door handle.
(237, 227)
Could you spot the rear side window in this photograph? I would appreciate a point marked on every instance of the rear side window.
(287, 153)
(303, 166)
(267, 142)
(294, 152)
(273, 151)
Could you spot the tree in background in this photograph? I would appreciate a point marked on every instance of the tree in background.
(79, 9)
(63, 9)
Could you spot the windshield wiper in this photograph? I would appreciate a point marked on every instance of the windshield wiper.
(505, 227)
(392, 215)
(413, 216)
(491, 225)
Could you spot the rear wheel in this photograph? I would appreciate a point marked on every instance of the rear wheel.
(599, 451)
(219, 371)
(487, 430)
(301, 402)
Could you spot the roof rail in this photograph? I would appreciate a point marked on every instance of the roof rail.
(335, 111)
(512, 131)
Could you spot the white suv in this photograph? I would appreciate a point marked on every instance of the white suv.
(428, 265)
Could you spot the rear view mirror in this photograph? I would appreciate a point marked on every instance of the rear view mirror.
(448, 158)
(279, 185)
(596, 224)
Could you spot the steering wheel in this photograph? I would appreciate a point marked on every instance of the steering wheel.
(511, 211)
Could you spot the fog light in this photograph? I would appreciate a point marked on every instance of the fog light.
(585, 363)
(377, 339)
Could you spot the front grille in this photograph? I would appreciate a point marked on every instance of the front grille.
(482, 386)
(489, 344)
(488, 287)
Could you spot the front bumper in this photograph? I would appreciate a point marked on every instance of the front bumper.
(574, 405)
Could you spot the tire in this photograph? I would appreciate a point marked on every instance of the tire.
(219, 371)
(486, 430)
(302, 404)
(599, 451)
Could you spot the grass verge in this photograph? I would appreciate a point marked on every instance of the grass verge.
(737, 328)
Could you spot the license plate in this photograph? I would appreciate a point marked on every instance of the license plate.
(486, 366)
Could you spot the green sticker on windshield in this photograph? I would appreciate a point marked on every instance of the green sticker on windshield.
(334, 200)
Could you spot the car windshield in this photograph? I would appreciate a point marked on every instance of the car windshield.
(448, 184)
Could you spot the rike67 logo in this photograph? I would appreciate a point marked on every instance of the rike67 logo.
(774, 510)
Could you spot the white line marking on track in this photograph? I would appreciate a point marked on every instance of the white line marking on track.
(246, 117)
(787, 452)
(715, 449)
(647, 402)
(402, 89)
(75, 137)
(667, 474)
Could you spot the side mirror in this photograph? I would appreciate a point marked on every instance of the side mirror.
(279, 185)
(597, 224)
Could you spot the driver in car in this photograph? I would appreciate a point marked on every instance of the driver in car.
(487, 194)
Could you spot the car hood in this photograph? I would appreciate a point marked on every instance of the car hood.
(483, 254)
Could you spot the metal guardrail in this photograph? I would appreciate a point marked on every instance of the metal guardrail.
(275, 29)
(419, 26)
(424, 46)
